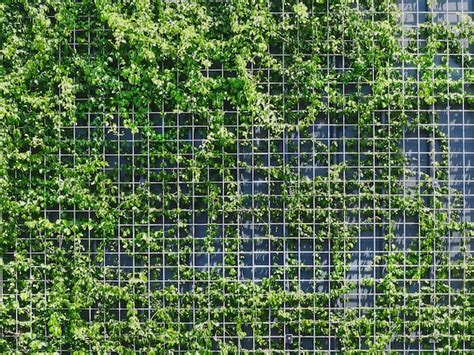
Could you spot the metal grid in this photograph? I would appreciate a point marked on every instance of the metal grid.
(259, 253)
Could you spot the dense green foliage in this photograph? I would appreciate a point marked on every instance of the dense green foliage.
(85, 81)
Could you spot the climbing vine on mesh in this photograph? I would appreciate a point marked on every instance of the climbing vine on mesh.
(126, 128)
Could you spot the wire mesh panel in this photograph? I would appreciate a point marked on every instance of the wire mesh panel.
(237, 176)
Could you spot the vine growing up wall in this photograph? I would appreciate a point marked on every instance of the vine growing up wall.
(139, 138)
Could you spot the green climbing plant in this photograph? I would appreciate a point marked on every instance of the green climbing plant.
(125, 130)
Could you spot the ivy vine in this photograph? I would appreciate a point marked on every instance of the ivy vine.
(130, 132)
